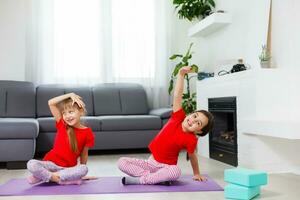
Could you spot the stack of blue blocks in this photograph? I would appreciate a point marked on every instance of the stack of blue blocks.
(243, 184)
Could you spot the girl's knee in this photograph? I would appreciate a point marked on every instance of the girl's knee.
(31, 165)
(175, 171)
(83, 169)
(122, 162)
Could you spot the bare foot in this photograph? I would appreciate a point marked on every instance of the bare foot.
(89, 178)
(55, 178)
(33, 180)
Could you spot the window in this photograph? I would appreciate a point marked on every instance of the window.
(76, 39)
(133, 38)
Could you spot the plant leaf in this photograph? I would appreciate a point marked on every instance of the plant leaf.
(194, 68)
(189, 50)
(178, 1)
(175, 56)
(171, 85)
(212, 3)
(185, 96)
(177, 68)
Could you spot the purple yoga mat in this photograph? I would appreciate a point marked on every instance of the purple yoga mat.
(104, 185)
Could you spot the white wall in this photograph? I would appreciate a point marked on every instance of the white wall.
(285, 34)
(12, 39)
(243, 38)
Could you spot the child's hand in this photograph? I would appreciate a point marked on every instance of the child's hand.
(77, 99)
(198, 177)
(185, 70)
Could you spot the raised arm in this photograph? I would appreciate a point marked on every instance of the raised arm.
(178, 90)
(54, 101)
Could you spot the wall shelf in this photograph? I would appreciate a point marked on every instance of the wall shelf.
(210, 24)
(278, 129)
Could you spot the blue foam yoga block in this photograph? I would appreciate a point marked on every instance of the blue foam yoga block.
(233, 191)
(245, 177)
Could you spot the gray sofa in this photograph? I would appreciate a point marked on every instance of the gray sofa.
(117, 113)
(18, 126)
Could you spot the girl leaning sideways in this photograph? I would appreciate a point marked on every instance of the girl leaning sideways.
(180, 133)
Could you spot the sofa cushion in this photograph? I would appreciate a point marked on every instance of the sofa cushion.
(130, 122)
(17, 150)
(46, 92)
(124, 139)
(18, 128)
(92, 122)
(2, 102)
(107, 99)
(163, 113)
(18, 98)
(43, 94)
(120, 98)
(133, 99)
(47, 124)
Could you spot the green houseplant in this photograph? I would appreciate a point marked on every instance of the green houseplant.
(193, 9)
(264, 57)
(188, 98)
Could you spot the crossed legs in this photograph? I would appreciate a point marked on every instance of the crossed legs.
(46, 171)
(149, 171)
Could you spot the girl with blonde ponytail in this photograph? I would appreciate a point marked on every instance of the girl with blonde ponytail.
(72, 141)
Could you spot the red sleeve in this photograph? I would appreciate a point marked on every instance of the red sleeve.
(191, 145)
(90, 140)
(178, 115)
(60, 124)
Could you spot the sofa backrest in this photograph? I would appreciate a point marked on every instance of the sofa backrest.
(22, 99)
(48, 91)
(17, 99)
(119, 98)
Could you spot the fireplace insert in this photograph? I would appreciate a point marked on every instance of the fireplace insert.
(223, 137)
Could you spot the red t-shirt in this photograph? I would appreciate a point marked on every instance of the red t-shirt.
(165, 147)
(61, 153)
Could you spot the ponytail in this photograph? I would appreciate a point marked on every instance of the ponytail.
(72, 139)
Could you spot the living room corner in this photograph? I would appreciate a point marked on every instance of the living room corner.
(123, 59)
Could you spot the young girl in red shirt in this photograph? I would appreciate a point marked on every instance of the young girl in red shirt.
(179, 133)
(71, 142)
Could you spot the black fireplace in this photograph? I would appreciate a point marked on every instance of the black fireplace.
(223, 137)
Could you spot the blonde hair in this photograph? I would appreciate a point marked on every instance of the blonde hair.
(64, 105)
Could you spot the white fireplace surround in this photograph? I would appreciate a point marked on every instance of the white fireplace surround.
(267, 116)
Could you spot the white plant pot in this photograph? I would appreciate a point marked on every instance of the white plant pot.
(265, 64)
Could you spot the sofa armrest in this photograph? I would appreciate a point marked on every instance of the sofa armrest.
(163, 113)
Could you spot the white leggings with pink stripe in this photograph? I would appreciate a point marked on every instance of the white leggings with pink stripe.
(43, 170)
(150, 171)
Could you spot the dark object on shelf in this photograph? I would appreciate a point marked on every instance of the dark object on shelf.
(203, 75)
(235, 68)
(238, 67)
